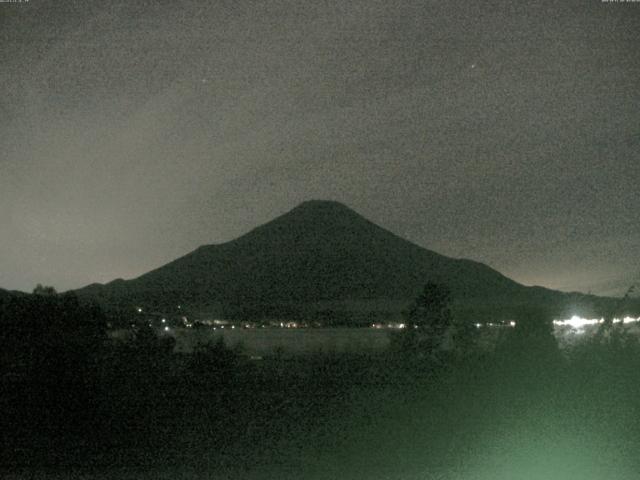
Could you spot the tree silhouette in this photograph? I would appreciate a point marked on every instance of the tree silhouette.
(52, 348)
(45, 291)
(428, 320)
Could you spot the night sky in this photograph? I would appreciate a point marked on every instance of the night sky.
(506, 132)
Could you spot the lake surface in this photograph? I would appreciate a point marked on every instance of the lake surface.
(266, 341)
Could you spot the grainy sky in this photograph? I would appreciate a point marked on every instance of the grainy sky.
(506, 132)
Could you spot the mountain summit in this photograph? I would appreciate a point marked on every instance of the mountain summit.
(319, 256)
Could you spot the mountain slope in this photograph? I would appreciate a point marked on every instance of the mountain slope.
(319, 255)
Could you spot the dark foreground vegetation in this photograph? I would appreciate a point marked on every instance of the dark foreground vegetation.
(76, 406)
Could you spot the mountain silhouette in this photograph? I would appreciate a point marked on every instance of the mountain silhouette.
(321, 256)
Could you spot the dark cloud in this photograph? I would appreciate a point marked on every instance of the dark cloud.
(501, 131)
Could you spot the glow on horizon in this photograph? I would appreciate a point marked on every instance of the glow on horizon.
(579, 323)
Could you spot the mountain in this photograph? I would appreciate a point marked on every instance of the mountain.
(7, 294)
(323, 258)
(612, 288)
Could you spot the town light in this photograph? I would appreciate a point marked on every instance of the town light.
(578, 323)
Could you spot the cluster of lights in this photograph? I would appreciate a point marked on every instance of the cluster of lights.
(579, 323)
(493, 325)
(163, 320)
(390, 325)
(575, 323)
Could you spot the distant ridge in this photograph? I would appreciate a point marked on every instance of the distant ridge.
(324, 257)
(5, 294)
